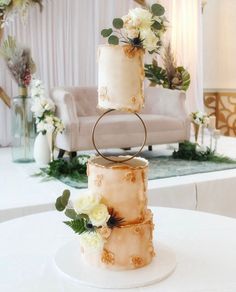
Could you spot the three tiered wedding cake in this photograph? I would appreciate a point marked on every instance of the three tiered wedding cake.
(115, 226)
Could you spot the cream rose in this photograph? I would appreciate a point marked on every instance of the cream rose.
(85, 203)
(141, 18)
(99, 215)
(91, 241)
(149, 39)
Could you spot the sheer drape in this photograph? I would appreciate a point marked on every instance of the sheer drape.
(185, 35)
(64, 39)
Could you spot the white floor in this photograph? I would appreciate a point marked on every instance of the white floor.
(21, 194)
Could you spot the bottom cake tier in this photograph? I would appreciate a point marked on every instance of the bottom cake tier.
(125, 248)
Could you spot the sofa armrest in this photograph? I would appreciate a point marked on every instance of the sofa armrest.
(65, 106)
(166, 102)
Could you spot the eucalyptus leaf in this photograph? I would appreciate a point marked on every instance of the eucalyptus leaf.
(65, 197)
(118, 23)
(113, 40)
(157, 25)
(70, 213)
(59, 206)
(157, 9)
(106, 32)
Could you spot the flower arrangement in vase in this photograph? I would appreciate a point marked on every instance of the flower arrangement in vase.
(198, 119)
(22, 67)
(47, 124)
(8, 8)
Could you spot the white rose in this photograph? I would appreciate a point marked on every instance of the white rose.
(49, 106)
(149, 39)
(141, 18)
(92, 241)
(99, 215)
(85, 203)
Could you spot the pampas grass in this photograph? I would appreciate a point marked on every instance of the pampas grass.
(18, 60)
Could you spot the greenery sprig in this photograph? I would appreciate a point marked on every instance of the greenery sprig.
(171, 76)
(80, 221)
(189, 151)
(75, 168)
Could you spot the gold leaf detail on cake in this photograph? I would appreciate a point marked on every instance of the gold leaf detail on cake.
(131, 51)
(133, 99)
(144, 178)
(105, 232)
(98, 180)
(137, 261)
(131, 177)
(151, 249)
(108, 257)
(138, 230)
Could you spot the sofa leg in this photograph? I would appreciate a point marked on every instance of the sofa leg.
(126, 148)
(73, 154)
(149, 147)
(61, 153)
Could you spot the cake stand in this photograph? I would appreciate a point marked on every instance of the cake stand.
(71, 267)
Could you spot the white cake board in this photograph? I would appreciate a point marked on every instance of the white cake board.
(70, 265)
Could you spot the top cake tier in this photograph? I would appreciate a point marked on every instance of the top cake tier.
(120, 78)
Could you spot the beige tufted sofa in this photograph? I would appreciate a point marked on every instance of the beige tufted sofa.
(164, 114)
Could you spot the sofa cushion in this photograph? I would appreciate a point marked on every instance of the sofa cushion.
(127, 123)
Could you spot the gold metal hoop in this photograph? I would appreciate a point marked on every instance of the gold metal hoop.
(130, 157)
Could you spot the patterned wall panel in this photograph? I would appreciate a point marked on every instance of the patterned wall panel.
(223, 105)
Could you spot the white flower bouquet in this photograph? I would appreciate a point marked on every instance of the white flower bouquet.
(44, 109)
(90, 218)
(199, 118)
(141, 28)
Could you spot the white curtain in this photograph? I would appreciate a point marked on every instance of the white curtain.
(185, 36)
(64, 39)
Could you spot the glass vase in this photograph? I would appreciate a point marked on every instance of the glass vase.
(23, 128)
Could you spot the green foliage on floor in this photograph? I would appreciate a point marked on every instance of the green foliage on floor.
(74, 169)
(192, 151)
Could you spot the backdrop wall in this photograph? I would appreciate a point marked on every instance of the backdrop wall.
(64, 40)
(219, 45)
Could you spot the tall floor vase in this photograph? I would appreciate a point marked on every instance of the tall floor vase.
(23, 128)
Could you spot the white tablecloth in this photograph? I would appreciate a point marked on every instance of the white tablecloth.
(205, 247)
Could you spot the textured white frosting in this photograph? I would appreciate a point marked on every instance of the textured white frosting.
(120, 79)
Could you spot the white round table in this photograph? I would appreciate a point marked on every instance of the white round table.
(205, 247)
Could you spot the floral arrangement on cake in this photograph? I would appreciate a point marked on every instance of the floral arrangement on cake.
(10, 7)
(19, 61)
(141, 28)
(171, 76)
(90, 218)
(44, 110)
